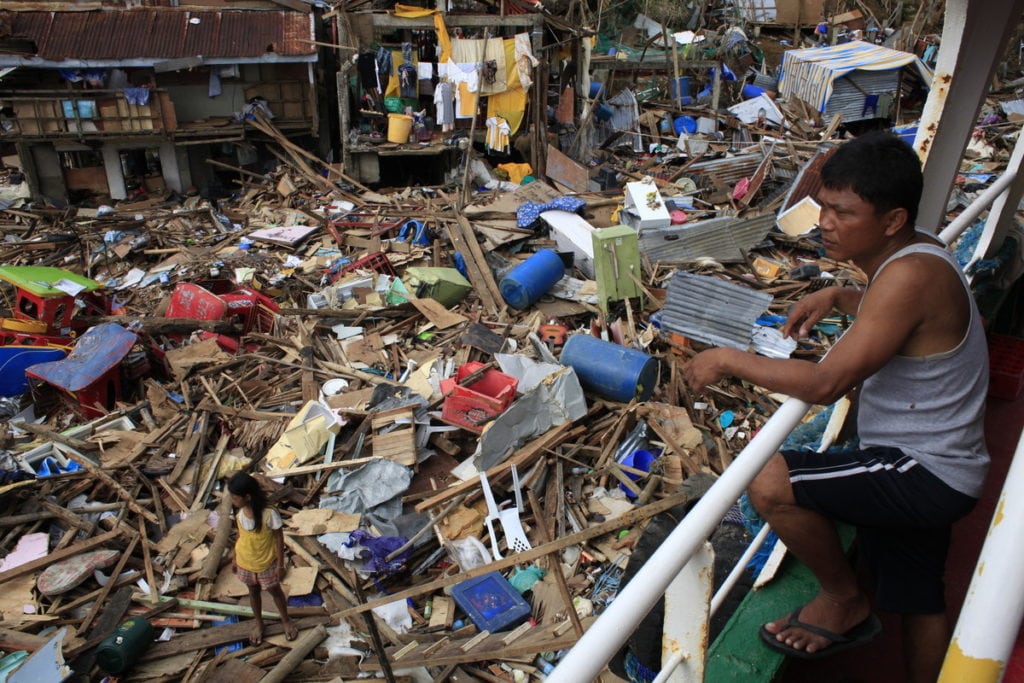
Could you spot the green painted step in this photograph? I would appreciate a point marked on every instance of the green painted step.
(738, 655)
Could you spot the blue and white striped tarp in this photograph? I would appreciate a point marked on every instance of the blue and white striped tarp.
(810, 73)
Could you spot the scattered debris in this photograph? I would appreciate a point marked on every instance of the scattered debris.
(407, 372)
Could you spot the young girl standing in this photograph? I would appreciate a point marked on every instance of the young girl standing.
(259, 551)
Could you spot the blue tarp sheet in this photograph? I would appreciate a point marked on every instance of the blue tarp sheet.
(810, 73)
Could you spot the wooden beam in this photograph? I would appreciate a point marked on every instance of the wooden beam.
(627, 519)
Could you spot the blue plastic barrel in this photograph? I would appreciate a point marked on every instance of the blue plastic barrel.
(531, 279)
(610, 370)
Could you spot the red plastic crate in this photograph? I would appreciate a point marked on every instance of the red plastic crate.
(474, 405)
(1005, 366)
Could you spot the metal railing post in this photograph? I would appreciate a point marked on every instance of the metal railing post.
(685, 640)
(604, 637)
(991, 615)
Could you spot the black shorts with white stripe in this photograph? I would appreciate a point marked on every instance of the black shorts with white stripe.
(902, 513)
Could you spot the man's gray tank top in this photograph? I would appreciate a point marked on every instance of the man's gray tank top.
(933, 407)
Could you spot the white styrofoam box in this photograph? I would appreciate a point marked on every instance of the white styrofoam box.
(572, 233)
(645, 203)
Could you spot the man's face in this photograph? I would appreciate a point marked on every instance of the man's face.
(849, 225)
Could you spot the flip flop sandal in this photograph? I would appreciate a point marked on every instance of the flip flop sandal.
(861, 634)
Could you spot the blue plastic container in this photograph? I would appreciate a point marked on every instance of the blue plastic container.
(610, 370)
(491, 602)
(596, 89)
(751, 91)
(639, 460)
(680, 85)
(685, 124)
(531, 279)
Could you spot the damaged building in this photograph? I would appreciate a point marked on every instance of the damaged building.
(127, 102)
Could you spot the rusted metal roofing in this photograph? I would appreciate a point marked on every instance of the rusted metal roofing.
(147, 33)
(808, 181)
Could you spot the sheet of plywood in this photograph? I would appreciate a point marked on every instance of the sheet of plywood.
(566, 171)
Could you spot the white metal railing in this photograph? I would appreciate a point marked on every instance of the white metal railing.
(586, 660)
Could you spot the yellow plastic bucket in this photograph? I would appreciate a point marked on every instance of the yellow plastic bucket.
(399, 126)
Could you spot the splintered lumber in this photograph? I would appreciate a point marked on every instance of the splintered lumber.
(464, 240)
(220, 541)
(57, 555)
(524, 455)
(624, 520)
(222, 635)
(54, 435)
(303, 646)
(121, 492)
(563, 586)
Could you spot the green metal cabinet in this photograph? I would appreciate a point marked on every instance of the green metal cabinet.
(616, 264)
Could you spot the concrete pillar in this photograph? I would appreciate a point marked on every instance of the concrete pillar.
(974, 35)
(171, 168)
(184, 169)
(28, 167)
(115, 175)
(49, 173)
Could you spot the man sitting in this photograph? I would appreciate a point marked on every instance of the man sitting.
(917, 352)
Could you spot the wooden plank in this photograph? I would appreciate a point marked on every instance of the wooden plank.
(482, 646)
(236, 671)
(565, 171)
(10, 639)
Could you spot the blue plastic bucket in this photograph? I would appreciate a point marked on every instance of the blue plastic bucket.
(680, 85)
(596, 88)
(531, 279)
(610, 370)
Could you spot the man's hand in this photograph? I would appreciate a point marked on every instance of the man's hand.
(806, 313)
(706, 368)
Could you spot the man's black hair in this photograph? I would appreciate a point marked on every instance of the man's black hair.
(879, 167)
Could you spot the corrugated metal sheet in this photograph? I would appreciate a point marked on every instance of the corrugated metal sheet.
(849, 99)
(723, 239)
(729, 170)
(810, 74)
(163, 34)
(711, 310)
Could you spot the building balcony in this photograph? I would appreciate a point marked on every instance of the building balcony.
(110, 114)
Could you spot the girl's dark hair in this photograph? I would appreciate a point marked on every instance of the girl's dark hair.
(879, 167)
(242, 484)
